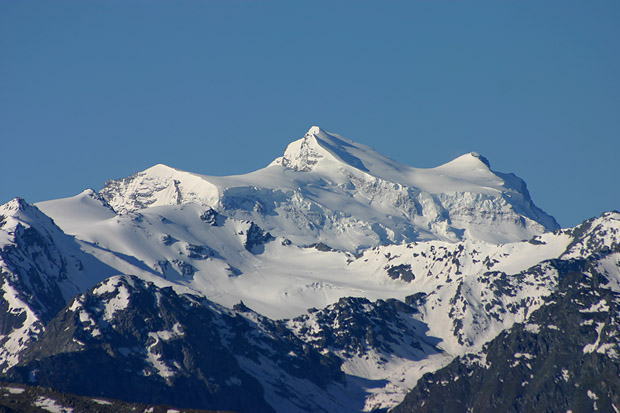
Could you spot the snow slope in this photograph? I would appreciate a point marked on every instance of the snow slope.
(280, 279)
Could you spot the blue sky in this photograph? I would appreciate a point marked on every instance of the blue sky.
(97, 90)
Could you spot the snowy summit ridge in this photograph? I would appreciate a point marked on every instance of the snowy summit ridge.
(351, 197)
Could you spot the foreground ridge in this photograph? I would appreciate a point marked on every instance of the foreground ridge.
(566, 357)
(26, 399)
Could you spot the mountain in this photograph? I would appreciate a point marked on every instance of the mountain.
(40, 268)
(328, 189)
(334, 279)
(566, 357)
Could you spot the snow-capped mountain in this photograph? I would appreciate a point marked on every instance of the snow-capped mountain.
(328, 189)
(41, 268)
(331, 280)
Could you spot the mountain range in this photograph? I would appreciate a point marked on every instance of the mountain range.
(334, 279)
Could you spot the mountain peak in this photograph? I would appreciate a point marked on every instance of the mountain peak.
(315, 130)
(15, 204)
(480, 158)
(160, 169)
(318, 147)
(22, 210)
(468, 163)
(304, 154)
(18, 211)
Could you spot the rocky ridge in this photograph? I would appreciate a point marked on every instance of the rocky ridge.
(566, 356)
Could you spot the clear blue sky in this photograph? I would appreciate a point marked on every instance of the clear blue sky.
(96, 90)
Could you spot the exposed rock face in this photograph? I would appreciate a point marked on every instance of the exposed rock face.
(150, 345)
(255, 238)
(211, 217)
(354, 326)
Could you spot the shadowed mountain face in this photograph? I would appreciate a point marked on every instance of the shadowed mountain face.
(33, 399)
(128, 339)
(332, 280)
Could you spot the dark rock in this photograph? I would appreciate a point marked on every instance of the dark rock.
(356, 325)
(255, 238)
(416, 300)
(402, 271)
(321, 247)
(212, 217)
